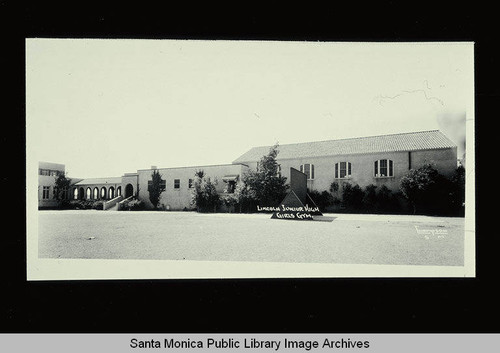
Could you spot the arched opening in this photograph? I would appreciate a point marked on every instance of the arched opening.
(81, 193)
(75, 194)
(103, 193)
(89, 194)
(129, 190)
(119, 191)
(96, 193)
(111, 192)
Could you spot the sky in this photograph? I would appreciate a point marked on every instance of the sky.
(105, 107)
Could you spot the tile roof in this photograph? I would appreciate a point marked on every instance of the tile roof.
(413, 141)
(95, 181)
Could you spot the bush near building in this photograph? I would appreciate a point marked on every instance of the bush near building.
(431, 193)
(132, 205)
(423, 191)
(204, 195)
(354, 199)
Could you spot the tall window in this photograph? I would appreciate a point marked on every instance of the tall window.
(96, 193)
(278, 171)
(384, 168)
(75, 194)
(342, 170)
(46, 192)
(103, 193)
(190, 183)
(177, 183)
(308, 169)
(119, 191)
(89, 194)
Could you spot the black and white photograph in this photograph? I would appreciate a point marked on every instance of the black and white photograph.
(182, 159)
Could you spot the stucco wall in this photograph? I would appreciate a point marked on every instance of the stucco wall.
(178, 199)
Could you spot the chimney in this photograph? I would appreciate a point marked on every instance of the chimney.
(154, 167)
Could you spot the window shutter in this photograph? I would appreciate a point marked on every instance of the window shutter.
(302, 168)
(376, 168)
(390, 172)
(312, 171)
(336, 170)
(348, 168)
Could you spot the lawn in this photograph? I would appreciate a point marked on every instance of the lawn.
(348, 239)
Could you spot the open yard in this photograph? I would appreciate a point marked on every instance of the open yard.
(348, 239)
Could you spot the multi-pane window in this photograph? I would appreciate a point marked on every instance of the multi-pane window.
(190, 183)
(342, 170)
(384, 168)
(46, 192)
(308, 169)
(49, 172)
(177, 183)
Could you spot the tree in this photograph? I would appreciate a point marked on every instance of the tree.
(155, 188)
(264, 185)
(61, 187)
(204, 195)
(425, 189)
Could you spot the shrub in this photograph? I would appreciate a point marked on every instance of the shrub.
(322, 200)
(352, 197)
(97, 205)
(132, 205)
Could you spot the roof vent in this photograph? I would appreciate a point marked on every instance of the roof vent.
(154, 167)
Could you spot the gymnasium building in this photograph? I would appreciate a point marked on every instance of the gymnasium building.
(378, 160)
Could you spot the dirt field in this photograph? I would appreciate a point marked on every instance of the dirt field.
(348, 239)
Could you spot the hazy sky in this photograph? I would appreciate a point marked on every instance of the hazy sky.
(106, 107)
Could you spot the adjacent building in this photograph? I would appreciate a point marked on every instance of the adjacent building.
(47, 173)
(378, 160)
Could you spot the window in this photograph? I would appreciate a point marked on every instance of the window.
(75, 194)
(163, 184)
(190, 183)
(103, 193)
(119, 191)
(231, 186)
(342, 170)
(96, 193)
(89, 193)
(177, 183)
(383, 168)
(46, 192)
(308, 169)
(278, 171)
(49, 172)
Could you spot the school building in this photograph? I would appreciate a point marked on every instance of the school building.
(378, 160)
